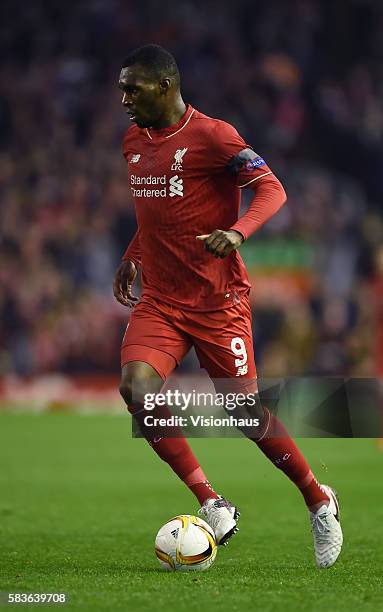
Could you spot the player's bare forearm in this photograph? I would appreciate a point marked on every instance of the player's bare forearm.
(123, 283)
(220, 243)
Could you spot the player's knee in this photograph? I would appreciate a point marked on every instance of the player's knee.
(126, 391)
(256, 410)
(133, 392)
(245, 405)
(252, 414)
(136, 382)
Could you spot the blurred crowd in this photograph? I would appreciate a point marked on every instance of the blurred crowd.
(301, 81)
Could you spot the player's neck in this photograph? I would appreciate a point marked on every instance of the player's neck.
(173, 115)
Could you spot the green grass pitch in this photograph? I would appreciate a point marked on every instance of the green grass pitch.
(81, 502)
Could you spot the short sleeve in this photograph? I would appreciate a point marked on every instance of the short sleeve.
(232, 154)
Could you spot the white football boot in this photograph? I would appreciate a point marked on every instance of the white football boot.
(222, 517)
(327, 532)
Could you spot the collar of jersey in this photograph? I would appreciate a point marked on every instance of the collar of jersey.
(171, 130)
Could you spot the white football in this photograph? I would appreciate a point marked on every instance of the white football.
(186, 543)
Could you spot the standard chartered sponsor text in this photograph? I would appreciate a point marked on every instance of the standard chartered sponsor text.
(148, 180)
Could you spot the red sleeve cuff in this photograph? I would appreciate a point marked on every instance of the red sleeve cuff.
(237, 229)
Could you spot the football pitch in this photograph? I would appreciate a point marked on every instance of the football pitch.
(81, 502)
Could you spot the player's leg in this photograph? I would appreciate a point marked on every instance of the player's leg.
(226, 352)
(145, 366)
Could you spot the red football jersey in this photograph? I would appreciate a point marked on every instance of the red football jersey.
(182, 187)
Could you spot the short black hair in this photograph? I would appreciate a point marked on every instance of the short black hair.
(158, 62)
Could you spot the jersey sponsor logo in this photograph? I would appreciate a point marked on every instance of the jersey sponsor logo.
(157, 186)
(176, 186)
(135, 158)
(255, 163)
(150, 179)
(178, 157)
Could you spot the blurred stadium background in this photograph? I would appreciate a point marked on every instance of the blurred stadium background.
(301, 81)
(80, 502)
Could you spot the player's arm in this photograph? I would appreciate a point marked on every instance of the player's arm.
(269, 196)
(133, 252)
(126, 274)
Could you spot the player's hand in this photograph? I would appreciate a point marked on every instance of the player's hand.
(123, 281)
(220, 243)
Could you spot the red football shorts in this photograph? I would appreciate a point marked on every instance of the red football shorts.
(161, 335)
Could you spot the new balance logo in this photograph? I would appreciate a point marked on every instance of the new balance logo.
(134, 159)
(242, 370)
(178, 155)
(285, 457)
(176, 186)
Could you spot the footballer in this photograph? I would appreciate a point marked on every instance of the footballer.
(186, 172)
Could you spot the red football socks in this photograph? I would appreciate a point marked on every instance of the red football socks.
(277, 445)
(274, 442)
(178, 454)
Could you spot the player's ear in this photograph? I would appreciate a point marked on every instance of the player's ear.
(165, 85)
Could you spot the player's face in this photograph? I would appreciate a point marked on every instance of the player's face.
(142, 97)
